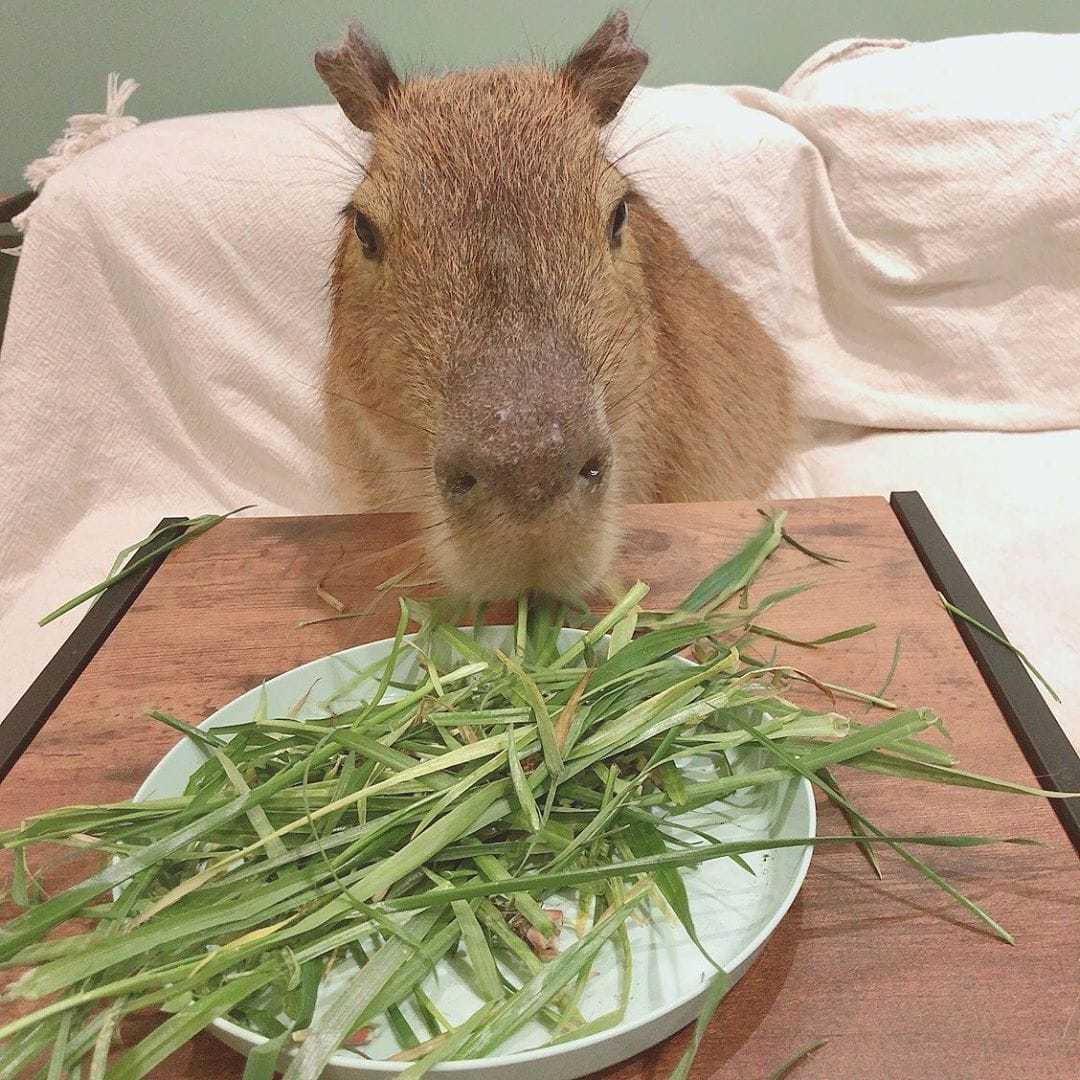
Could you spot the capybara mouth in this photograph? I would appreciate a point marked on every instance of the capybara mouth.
(565, 555)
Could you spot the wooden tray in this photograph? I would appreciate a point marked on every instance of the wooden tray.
(896, 976)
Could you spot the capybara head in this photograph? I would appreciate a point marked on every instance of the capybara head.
(487, 306)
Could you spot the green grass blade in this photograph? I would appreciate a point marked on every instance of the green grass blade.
(615, 1016)
(123, 553)
(917, 750)
(812, 643)
(550, 980)
(403, 1031)
(545, 727)
(262, 1060)
(718, 987)
(494, 869)
(99, 1059)
(856, 826)
(340, 1014)
(609, 808)
(904, 768)
(192, 529)
(630, 601)
(15, 1060)
(622, 633)
(858, 742)
(828, 560)
(889, 675)
(25, 890)
(406, 769)
(449, 1045)
(646, 839)
(478, 951)
(896, 845)
(521, 626)
(796, 1059)
(522, 956)
(59, 1050)
(411, 974)
(464, 818)
(630, 725)
(178, 1029)
(774, 598)
(153, 978)
(729, 577)
(204, 740)
(1001, 640)
(32, 924)
(647, 649)
(256, 815)
(388, 665)
(524, 793)
(544, 883)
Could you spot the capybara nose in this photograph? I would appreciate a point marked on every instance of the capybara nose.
(525, 462)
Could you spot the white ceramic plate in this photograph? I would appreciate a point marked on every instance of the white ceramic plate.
(734, 912)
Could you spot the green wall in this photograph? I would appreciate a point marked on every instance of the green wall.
(206, 56)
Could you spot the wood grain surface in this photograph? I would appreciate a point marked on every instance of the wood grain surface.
(896, 976)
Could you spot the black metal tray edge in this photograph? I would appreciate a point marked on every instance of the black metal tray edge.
(1051, 756)
(30, 712)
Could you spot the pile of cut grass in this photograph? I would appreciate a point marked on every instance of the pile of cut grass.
(438, 818)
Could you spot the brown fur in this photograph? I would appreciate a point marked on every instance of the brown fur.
(500, 336)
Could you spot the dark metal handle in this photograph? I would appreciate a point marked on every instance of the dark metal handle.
(47, 691)
(1052, 758)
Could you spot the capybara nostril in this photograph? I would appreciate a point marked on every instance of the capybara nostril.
(455, 470)
(458, 485)
(526, 465)
(594, 471)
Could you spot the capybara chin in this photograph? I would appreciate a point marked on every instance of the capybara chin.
(530, 345)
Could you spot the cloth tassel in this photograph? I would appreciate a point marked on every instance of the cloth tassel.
(83, 132)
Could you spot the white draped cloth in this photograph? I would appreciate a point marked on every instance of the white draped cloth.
(903, 218)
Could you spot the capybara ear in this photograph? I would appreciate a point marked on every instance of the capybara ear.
(359, 75)
(607, 67)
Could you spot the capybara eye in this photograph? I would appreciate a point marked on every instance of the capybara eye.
(368, 237)
(615, 226)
